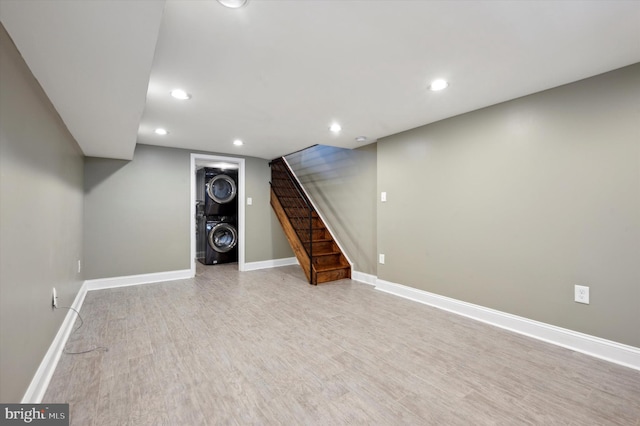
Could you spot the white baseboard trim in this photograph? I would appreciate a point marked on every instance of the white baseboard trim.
(104, 283)
(40, 382)
(363, 278)
(273, 263)
(608, 350)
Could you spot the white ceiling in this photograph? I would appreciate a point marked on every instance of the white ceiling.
(93, 60)
(276, 73)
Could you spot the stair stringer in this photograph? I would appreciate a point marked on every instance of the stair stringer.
(292, 236)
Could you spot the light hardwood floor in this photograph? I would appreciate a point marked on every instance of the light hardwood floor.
(264, 347)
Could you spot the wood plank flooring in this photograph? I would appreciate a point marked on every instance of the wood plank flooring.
(266, 348)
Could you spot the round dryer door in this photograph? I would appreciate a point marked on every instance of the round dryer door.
(223, 237)
(222, 189)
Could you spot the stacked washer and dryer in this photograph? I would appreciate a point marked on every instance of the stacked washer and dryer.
(217, 216)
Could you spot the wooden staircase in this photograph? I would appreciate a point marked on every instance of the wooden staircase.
(314, 246)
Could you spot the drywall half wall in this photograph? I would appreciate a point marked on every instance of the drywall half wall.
(342, 185)
(137, 214)
(40, 222)
(511, 206)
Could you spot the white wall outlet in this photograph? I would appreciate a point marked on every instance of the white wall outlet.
(381, 259)
(54, 298)
(582, 294)
(79, 266)
(249, 201)
(383, 197)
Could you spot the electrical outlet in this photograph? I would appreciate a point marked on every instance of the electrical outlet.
(582, 294)
(381, 259)
(383, 197)
(54, 298)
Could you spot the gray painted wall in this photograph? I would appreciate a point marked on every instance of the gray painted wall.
(265, 239)
(40, 222)
(342, 184)
(137, 214)
(510, 206)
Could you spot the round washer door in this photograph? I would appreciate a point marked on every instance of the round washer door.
(222, 189)
(223, 237)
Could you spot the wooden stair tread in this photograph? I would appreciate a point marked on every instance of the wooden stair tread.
(326, 253)
(325, 268)
(318, 240)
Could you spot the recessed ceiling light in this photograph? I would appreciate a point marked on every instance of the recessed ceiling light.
(335, 128)
(180, 94)
(361, 139)
(438, 85)
(161, 131)
(238, 142)
(233, 4)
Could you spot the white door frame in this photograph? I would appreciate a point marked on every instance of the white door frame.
(201, 158)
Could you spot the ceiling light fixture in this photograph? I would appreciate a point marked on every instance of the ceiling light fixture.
(238, 142)
(180, 94)
(335, 128)
(161, 131)
(438, 85)
(233, 4)
(361, 139)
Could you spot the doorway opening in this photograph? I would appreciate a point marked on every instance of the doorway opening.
(199, 161)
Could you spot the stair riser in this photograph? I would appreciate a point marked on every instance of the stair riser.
(286, 190)
(332, 259)
(316, 234)
(322, 247)
(303, 222)
(288, 202)
(337, 274)
(279, 174)
(296, 212)
(284, 194)
(281, 182)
